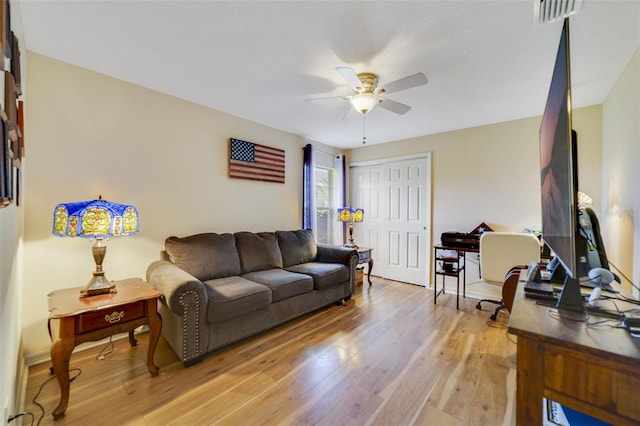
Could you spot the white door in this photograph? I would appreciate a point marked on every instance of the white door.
(395, 195)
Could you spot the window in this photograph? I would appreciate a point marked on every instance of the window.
(329, 197)
(322, 194)
(325, 210)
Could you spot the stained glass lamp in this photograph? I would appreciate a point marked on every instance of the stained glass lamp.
(97, 219)
(350, 215)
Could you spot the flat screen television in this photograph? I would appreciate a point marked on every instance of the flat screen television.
(559, 175)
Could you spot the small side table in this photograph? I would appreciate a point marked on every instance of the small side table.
(364, 256)
(457, 266)
(73, 321)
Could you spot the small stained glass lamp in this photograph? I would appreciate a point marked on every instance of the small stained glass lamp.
(97, 219)
(350, 215)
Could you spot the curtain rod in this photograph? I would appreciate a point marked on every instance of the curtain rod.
(324, 152)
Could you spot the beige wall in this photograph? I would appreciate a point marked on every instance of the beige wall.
(12, 367)
(491, 173)
(91, 135)
(10, 304)
(621, 175)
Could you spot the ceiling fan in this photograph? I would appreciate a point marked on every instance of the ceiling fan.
(366, 93)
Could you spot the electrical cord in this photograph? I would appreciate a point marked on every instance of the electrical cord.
(103, 352)
(628, 299)
(101, 355)
(626, 278)
(12, 418)
(36, 403)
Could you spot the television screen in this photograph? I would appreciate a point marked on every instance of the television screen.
(558, 171)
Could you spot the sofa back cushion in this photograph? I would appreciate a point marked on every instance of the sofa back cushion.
(205, 256)
(258, 251)
(297, 247)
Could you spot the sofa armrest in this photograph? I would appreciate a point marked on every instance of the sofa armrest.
(336, 254)
(345, 255)
(174, 283)
(185, 299)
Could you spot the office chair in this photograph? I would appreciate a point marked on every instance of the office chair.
(500, 252)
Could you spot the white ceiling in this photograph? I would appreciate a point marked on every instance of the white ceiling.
(486, 61)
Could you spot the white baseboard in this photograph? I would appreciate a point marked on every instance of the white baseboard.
(476, 290)
(45, 355)
(483, 290)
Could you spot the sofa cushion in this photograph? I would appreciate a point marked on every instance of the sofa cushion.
(283, 284)
(234, 296)
(205, 256)
(258, 251)
(324, 275)
(297, 246)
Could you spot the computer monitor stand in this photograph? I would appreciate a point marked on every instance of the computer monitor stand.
(571, 298)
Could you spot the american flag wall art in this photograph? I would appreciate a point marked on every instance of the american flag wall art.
(255, 162)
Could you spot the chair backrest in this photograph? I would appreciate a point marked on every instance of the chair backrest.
(500, 251)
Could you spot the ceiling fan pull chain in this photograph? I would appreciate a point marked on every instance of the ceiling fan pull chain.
(364, 128)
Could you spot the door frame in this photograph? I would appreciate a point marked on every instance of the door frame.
(428, 194)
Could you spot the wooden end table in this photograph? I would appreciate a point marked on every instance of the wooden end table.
(364, 256)
(73, 321)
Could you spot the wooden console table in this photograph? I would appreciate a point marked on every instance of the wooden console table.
(73, 321)
(593, 370)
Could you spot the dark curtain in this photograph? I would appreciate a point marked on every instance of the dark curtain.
(342, 165)
(308, 189)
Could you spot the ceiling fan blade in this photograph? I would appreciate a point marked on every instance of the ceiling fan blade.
(349, 76)
(406, 83)
(346, 112)
(330, 98)
(394, 106)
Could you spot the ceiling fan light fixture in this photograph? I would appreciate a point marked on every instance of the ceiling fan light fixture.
(364, 102)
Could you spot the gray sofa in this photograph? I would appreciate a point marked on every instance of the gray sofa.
(220, 288)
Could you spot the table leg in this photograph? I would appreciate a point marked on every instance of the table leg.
(529, 381)
(60, 354)
(458, 291)
(435, 278)
(132, 340)
(437, 292)
(464, 275)
(155, 327)
(369, 272)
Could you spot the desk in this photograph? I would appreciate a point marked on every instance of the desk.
(73, 321)
(458, 262)
(592, 370)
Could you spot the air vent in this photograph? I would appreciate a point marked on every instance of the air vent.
(551, 10)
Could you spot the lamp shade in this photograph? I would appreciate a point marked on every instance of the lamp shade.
(344, 214)
(364, 102)
(349, 214)
(94, 219)
(358, 215)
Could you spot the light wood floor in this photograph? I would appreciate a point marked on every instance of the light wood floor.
(390, 357)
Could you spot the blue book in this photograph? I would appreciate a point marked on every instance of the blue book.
(556, 414)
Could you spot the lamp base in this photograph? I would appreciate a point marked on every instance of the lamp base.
(352, 244)
(99, 284)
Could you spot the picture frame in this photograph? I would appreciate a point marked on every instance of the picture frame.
(11, 111)
(20, 119)
(4, 25)
(17, 195)
(15, 64)
(6, 165)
